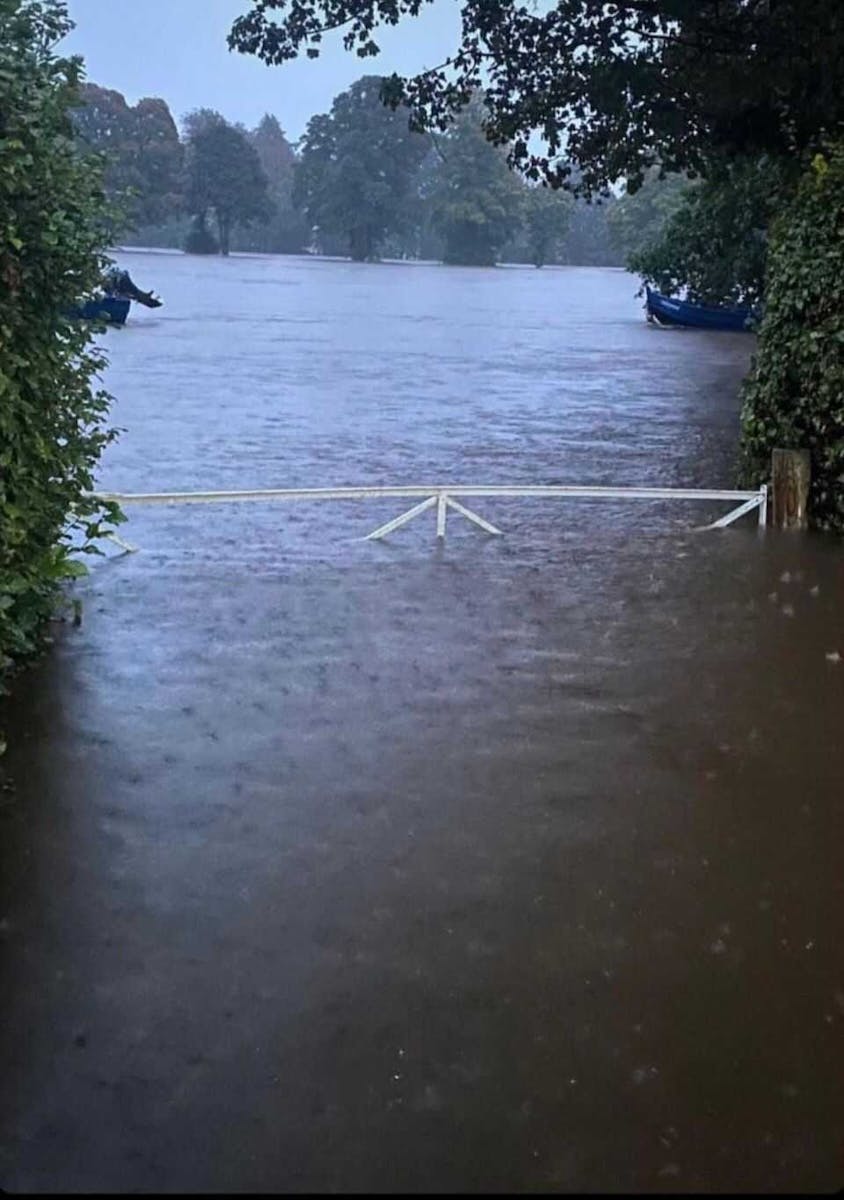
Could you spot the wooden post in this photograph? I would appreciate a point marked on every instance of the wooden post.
(791, 473)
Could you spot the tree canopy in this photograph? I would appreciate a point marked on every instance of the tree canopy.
(713, 240)
(638, 218)
(142, 148)
(612, 88)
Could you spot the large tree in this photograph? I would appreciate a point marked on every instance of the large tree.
(286, 231)
(357, 169)
(142, 149)
(477, 202)
(224, 175)
(548, 216)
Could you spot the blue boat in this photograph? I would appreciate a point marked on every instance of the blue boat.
(662, 310)
(110, 309)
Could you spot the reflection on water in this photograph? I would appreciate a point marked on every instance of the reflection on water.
(508, 864)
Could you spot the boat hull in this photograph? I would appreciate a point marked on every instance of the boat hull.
(110, 309)
(666, 311)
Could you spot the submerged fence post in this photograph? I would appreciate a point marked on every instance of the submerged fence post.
(791, 473)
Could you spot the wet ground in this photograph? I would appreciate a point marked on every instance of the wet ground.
(508, 864)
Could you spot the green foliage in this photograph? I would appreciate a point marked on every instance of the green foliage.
(143, 152)
(357, 169)
(224, 175)
(547, 220)
(588, 242)
(52, 429)
(794, 396)
(638, 218)
(287, 230)
(714, 247)
(619, 87)
(477, 203)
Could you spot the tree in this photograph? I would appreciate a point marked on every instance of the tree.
(160, 161)
(286, 231)
(357, 168)
(224, 175)
(637, 220)
(714, 245)
(142, 149)
(52, 419)
(794, 396)
(587, 242)
(105, 123)
(620, 87)
(547, 220)
(476, 201)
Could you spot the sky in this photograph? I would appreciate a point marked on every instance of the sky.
(176, 49)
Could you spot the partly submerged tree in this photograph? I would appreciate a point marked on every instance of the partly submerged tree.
(476, 201)
(224, 176)
(52, 235)
(547, 219)
(286, 231)
(357, 168)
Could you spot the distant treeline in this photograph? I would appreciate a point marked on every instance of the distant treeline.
(359, 183)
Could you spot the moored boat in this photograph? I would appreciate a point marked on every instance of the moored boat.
(113, 303)
(664, 310)
(110, 309)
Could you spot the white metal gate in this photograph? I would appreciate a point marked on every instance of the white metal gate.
(448, 497)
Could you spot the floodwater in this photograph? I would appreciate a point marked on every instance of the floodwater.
(508, 864)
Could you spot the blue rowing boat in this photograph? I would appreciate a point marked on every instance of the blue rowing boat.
(662, 310)
(112, 310)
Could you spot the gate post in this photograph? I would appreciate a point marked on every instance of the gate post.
(791, 473)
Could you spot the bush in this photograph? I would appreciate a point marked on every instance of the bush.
(794, 395)
(52, 429)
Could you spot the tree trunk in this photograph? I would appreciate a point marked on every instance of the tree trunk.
(358, 245)
(224, 225)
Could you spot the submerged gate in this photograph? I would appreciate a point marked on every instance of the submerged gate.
(447, 498)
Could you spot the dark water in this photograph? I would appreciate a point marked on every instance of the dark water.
(509, 864)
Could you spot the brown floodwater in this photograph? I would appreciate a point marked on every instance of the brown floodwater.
(508, 864)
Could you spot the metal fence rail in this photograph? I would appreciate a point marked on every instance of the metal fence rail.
(444, 498)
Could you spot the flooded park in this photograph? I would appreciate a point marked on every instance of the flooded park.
(498, 863)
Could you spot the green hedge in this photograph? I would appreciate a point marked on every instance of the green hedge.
(52, 415)
(794, 395)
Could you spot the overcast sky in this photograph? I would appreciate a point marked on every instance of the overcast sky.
(177, 49)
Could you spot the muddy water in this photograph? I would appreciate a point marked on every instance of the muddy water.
(512, 864)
